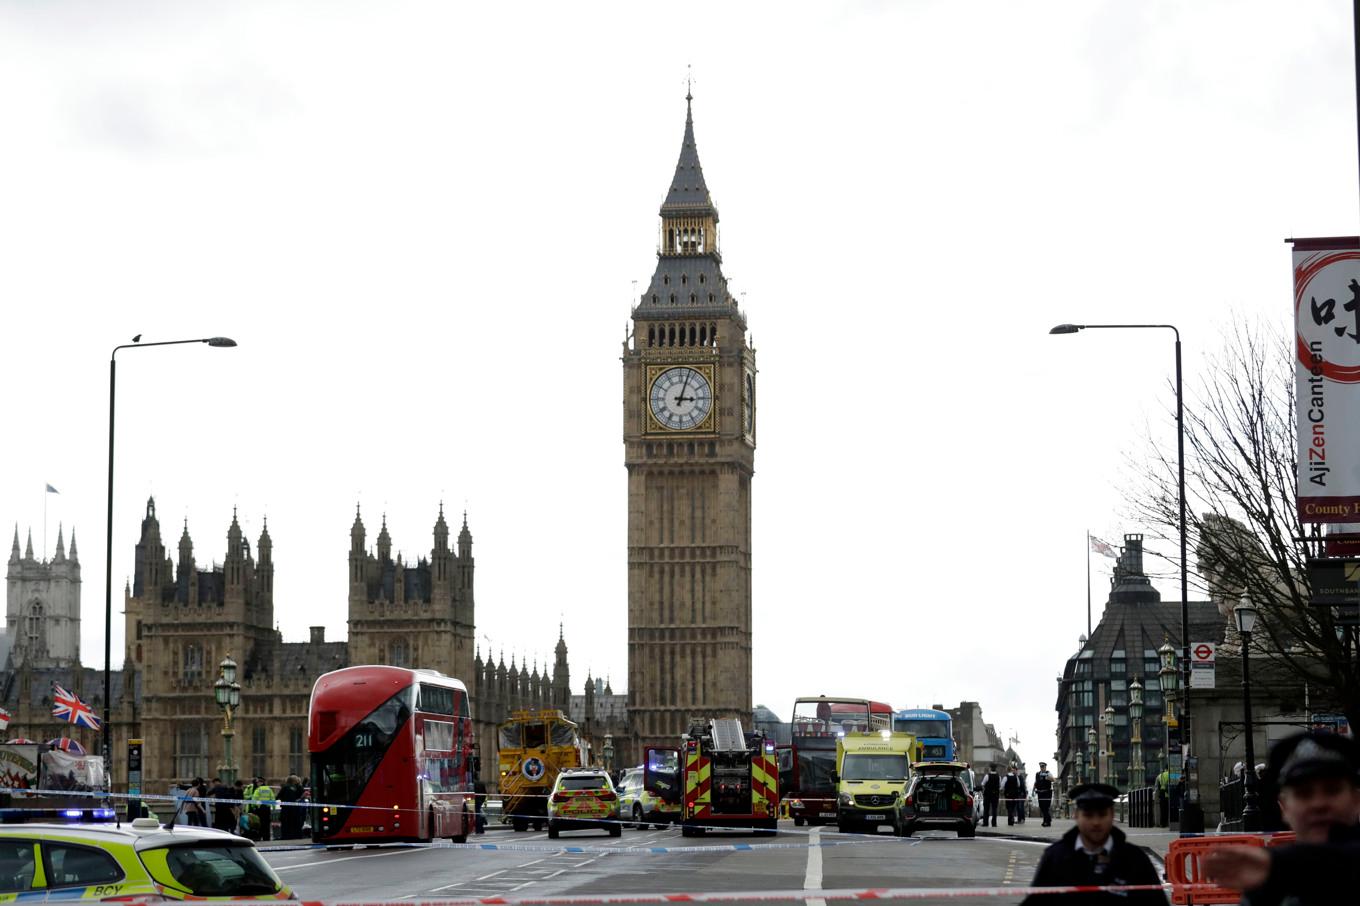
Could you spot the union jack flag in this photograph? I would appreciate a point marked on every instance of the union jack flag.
(67, 706)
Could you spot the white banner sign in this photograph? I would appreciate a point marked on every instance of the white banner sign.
(1327, 377)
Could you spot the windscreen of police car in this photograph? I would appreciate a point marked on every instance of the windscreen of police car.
(221, 870)
(584, 782)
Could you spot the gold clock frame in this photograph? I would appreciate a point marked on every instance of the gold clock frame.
(654, 427)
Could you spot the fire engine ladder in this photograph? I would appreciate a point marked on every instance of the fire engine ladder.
(728, 735)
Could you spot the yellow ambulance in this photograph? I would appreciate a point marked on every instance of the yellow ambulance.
(872, 773)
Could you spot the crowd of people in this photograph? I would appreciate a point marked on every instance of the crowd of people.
(245, 809)
(1012, 789)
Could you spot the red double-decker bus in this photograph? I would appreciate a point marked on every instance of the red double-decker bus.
(806, 780)
(391, 756)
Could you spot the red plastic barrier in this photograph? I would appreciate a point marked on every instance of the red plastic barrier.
(1184, 866)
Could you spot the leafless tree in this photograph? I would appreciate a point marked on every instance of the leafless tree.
(1242, 522)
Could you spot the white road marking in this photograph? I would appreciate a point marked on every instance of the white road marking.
(527, 864)
(395, 852)
(492, 875)
(813, 879)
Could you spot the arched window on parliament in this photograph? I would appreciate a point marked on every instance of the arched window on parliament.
(33, 624)
(191, 750)
(259, 750)
(399, 654)
(193, 663)
(297, 749)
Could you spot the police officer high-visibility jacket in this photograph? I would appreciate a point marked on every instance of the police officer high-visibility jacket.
(262, 795)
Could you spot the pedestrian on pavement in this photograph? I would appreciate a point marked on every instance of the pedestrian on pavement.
(262, 795)
(195, 811)
(224, 814)
(1011, 791)
(1043, 792)
(1095, 853)
(479, 803)
(1164, 798)
(242, 816)
(290, 808)
(1318, 774)
(1024, 798)
(991, 793)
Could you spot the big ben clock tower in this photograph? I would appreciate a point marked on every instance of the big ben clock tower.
(689, 434)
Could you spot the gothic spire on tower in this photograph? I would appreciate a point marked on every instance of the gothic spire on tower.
(688, 193)
(14, 548)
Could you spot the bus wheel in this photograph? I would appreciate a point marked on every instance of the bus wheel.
(798, 822)
(519, 824)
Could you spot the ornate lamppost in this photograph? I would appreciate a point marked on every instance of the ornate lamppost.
(1091, 753)
(609, 753)
(1081, 766)
(227, 694)
(1109, 743)
(1137, 773)
(1168, 676)
(1245, 613)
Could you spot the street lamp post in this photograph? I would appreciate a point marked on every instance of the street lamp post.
(1137, 773)
(1110, 775)
(1091, 754)
(227, 695)
(1167, 676)
(1192, 818)
(609, 753)
(107, 735)
(1245, 613)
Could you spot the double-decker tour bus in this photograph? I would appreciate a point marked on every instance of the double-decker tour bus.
(392, 756)
(817, 723)
(533, 747)
(933, 729)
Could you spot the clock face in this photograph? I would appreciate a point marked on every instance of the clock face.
(681, 398)
(748, 408)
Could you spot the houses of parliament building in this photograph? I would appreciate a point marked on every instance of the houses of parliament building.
(182, 619)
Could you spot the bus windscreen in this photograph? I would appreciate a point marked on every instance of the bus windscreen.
(340, 773)
(923, 729)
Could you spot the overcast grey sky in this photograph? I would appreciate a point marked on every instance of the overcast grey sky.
(415, 217)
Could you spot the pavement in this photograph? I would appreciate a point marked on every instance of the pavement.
(1155, 841)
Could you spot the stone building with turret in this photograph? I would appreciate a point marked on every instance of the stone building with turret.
(42, 605)
(182, 617)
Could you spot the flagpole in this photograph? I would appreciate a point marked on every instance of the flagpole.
(1088, 583)
(44, 522)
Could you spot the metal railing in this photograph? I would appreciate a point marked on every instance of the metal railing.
(1230, 800)
(1141, 810)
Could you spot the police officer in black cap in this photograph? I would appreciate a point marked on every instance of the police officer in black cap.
(1318, 775)
(1095, 853)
